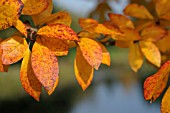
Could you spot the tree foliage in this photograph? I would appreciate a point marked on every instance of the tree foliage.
(146, 33)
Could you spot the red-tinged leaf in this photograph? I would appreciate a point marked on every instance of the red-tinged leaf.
(10, 10)
(138, 11)
(44, 64)
(32, 7)
(14, 49)
(105, 55)
(40, 19)
(59, 31)
(153, 33)
(55, 85)
(165, 105)
(121, 21)
(151, 52)
(87, 22)
(3, 68)
(123, 44)
(83, 71)
(91, 51)
(21, 27)
(57, 46)
(28, 79)
(135, 57)
(155, 84)
(61, 17)
(163, 8)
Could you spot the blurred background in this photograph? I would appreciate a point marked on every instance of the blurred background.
(114, 89)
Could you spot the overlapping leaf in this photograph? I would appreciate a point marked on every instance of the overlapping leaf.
(165, 105)
(44, 64)
(28, 79)
(10, 10)
(21, 27)
(59, 31)
(83, 71)
(3, 68)
(14, 49)
(155, 84)
(32, 7)
(91, 51)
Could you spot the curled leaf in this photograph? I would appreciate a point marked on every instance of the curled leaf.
(165, 102)
(10, 12)
(83, 71)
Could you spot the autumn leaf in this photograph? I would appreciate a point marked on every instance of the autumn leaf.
(155, 84)
(32, 7)
(41, 18)
(165, 102)
(83, 71)
(57, 46)
(3, 68)
(61, 17)
(10, 11)
(54, 87)
(21, 27)
(88, 34)
(138, 11)
(28, 79)
(87, 22)
(91, 51)
(59, 31)
(151, 52)
(123, 44)
(14, 49)
(135, 57)
(44, 64)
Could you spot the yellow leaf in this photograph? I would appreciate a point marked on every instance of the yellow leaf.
(28, 79)
(155, 84)
(3, 68)
(41, 18)
(32, 7)
(10, 10)
(105, 55)
(138, 11)
(123, 44)
(59, 31)
(21, 27)
(91, 51)
(165, 105)
(151, 52)
(14, 49)
(83, 71)
(121, 21)
(163, 8)
(135, 57)
(61, 17)
(88, 34)
(57, 46)
(44, 64)
(153, 33)
(87, 22)
(55, 85)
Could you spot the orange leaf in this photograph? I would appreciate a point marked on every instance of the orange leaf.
(153, 33)
(155, 84)
(138, 11)
(123, 44)
(91, 51)
(135, 57)
(41, 18)
(165, 105)
(83, 71)
(14, 49)
(10, 12)
(44, 64)
(32, 7)
(163, 8)
(59, 31)
(55, 85)
(88, 34)
(151, 52)
(105, 55)
(3, 68)
(21, 27)
(121, 21)
(87, 22)
(28, 79)
(57, 46)
(61, 17)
